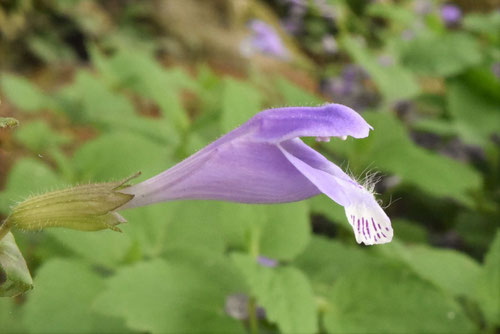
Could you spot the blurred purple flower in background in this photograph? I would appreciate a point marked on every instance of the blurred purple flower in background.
(451, 14)
(264, 39)
(326, 10)
(267, 262)
(349, 88)
(294, 22)
(265, 161)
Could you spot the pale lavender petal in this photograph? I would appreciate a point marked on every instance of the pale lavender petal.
(330, 120)
(328, 177)
(237, 171)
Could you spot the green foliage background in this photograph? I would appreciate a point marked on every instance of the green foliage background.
(115, 108)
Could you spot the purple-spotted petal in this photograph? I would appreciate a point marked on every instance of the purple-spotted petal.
(370, 223)
(330, 120)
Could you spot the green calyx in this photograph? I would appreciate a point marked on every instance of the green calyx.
(15, 277)
(85, 208)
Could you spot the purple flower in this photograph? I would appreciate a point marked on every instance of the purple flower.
(451, 14)
(266, 40)
(265, 161)
(267, 262)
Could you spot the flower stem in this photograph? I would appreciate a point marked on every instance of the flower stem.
(253, 250)
(252, 316)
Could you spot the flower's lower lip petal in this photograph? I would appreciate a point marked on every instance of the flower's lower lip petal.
(331, 120)
(369, 222)
(315, 170)
(237, 171)
(300, 150)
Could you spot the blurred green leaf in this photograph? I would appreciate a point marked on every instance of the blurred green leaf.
(436, 126)
(325, 206)
(11, 316)
(240, 101)
(325, 261)
(476, 230)
(90, 100)
(283, 230)
(390, 299)
(106, 248)
(192, 225)
(210, 262)
(142, 73)
(476, 116)
(27, 177)
(149, 226)
(450, 270)
(61, 302)
(161, 297)
(441, 55)
(295, 95)
(117, 155)
(483, 81)
(22, 93)
(50, 48)
(409, 231)
(488, 285)
(15, 276)
(394, 81)
(39, 137)
(486, 23)
(286, 231)
(391, 12)
(284, 292)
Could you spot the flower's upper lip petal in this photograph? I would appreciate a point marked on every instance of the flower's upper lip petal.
(330, 120)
